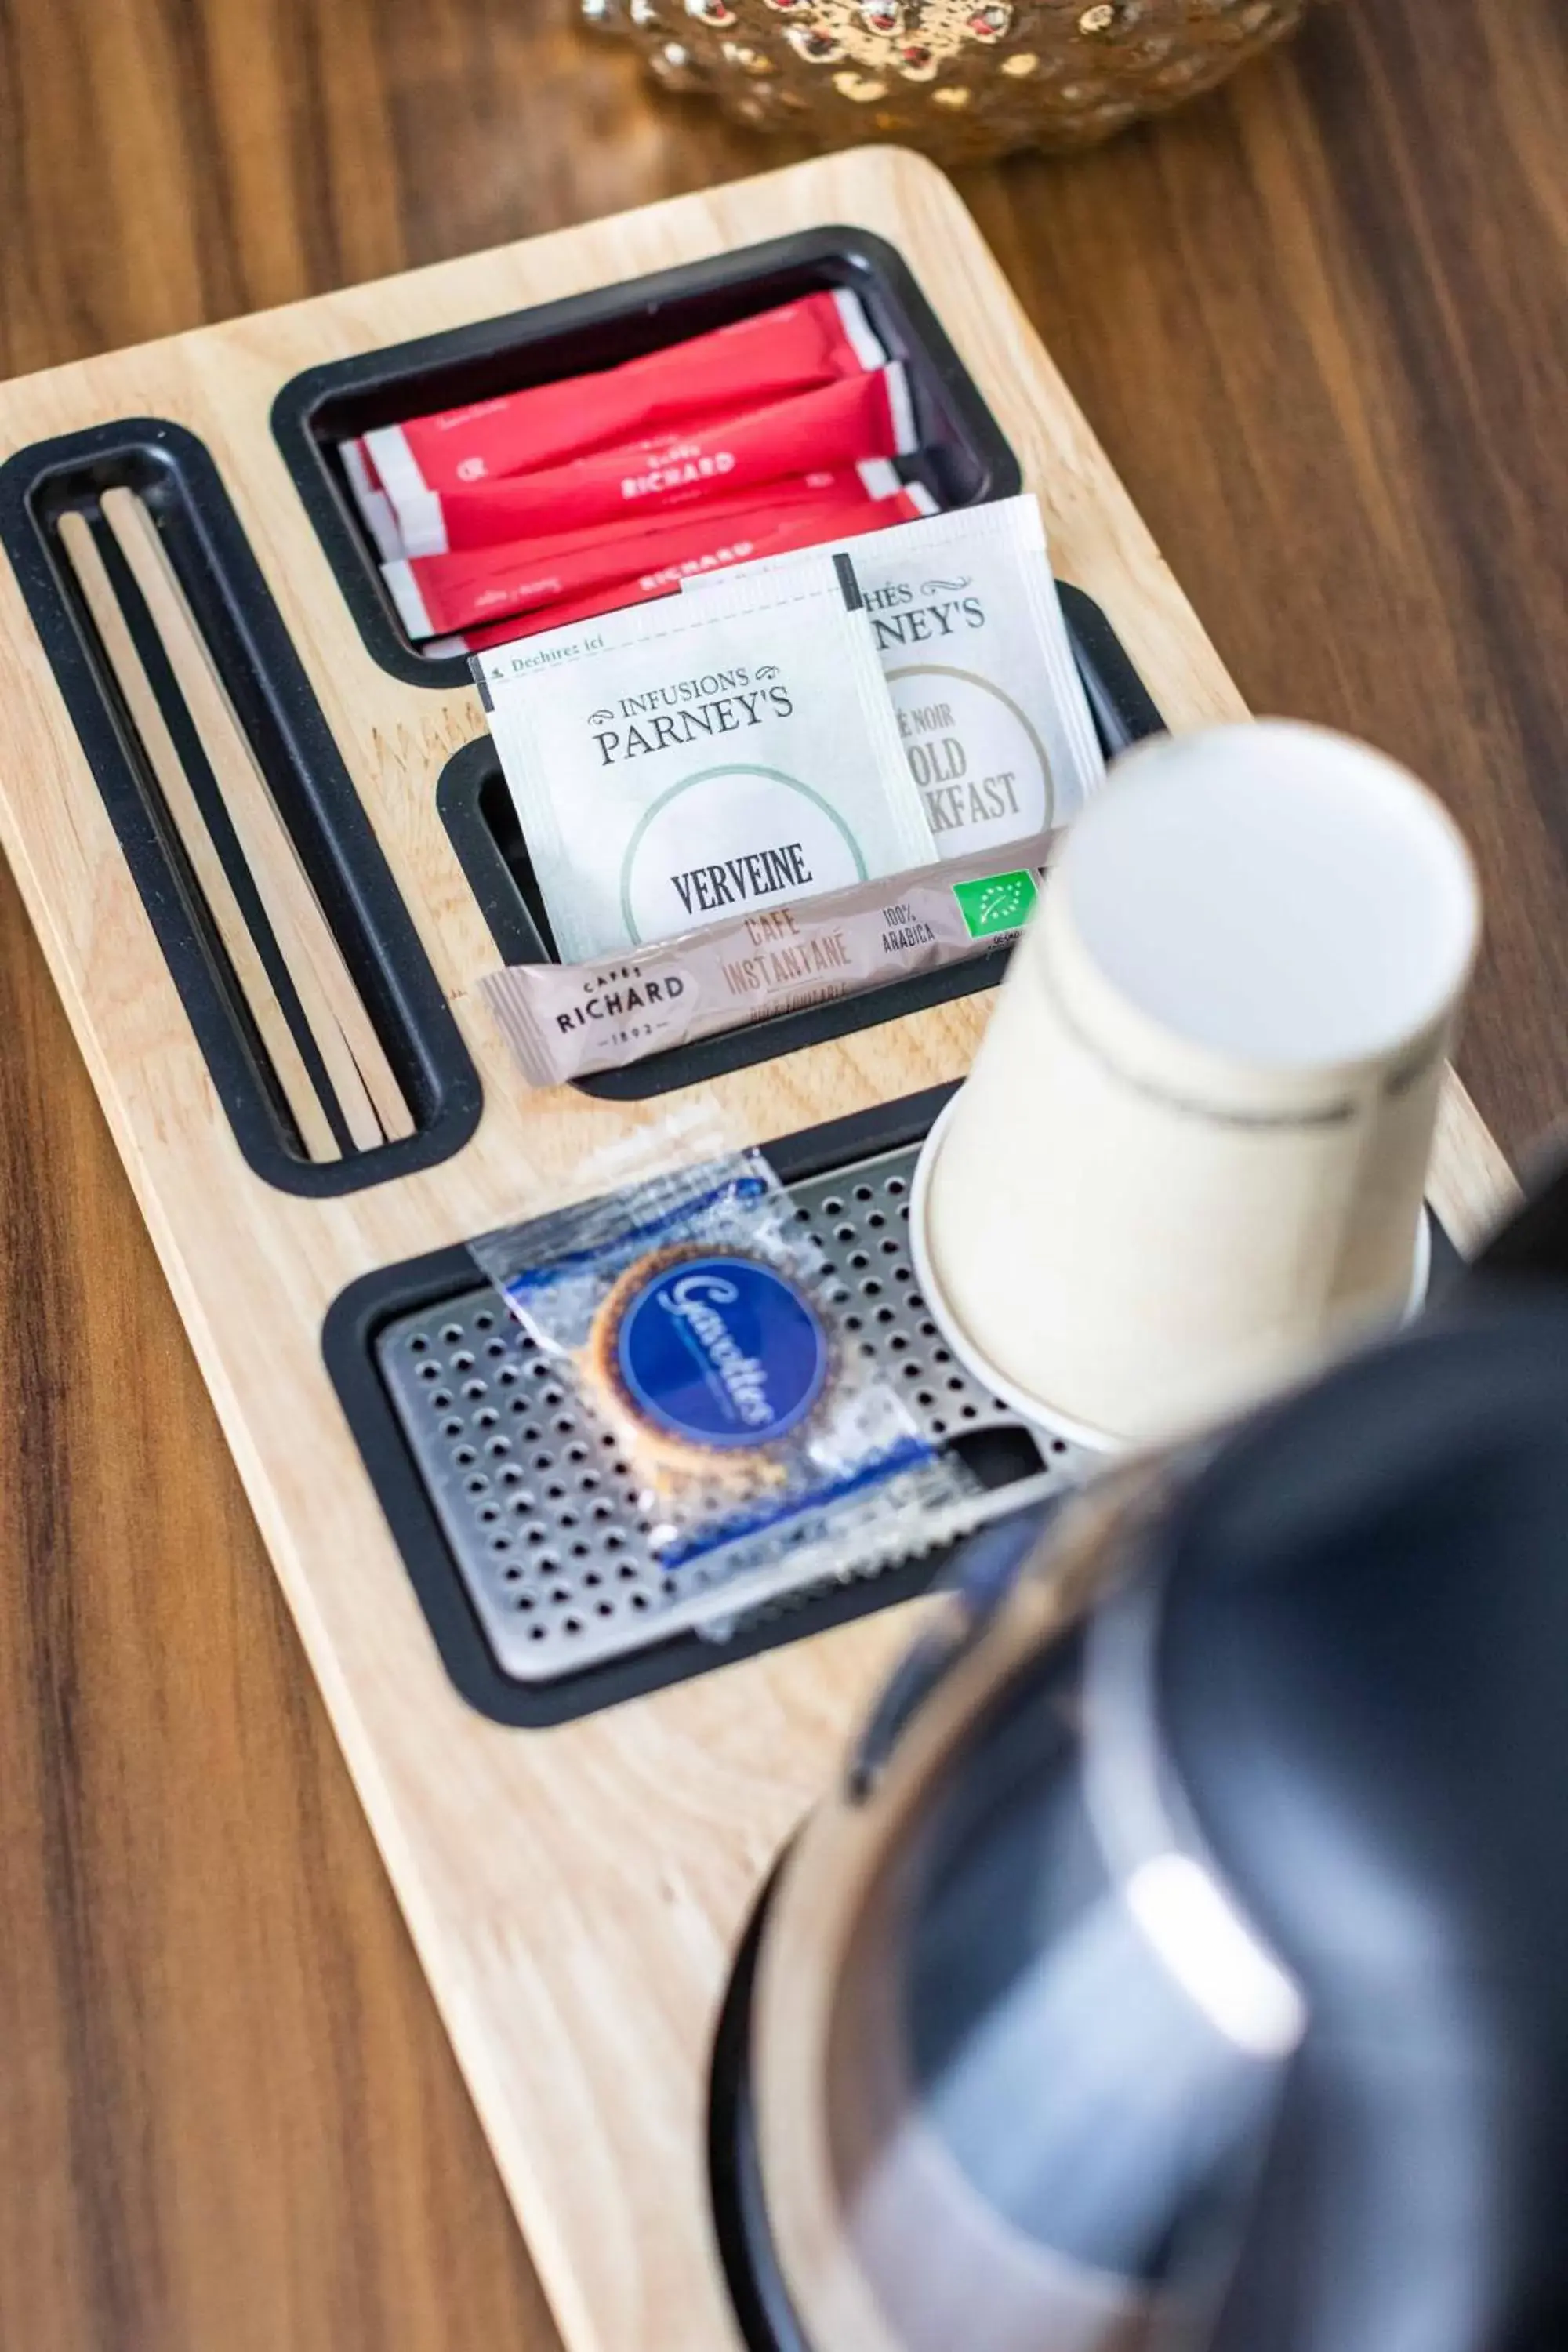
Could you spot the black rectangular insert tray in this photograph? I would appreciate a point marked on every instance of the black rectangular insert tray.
(478, 812)
(173, 472)
(965, 456)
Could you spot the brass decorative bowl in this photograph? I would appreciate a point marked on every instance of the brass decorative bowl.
(964, 79)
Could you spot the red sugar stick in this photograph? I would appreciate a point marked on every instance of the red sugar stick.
(865, 416)
(477, 587)
(807, 529)
(817, 341)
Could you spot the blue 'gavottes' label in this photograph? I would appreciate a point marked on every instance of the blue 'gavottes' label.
(722, 1351)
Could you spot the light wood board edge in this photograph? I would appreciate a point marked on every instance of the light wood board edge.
(576, 1895)
(1470, 1185)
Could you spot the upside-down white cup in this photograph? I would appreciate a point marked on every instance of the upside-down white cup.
(1189, 1161)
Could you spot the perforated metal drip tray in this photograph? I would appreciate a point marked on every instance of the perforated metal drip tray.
(518, 1517)
(535, 1501)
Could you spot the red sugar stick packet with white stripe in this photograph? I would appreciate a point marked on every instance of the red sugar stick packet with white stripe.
(547, 545)
(647, 586)
(477, 587)
(819, 339)
(842, 424)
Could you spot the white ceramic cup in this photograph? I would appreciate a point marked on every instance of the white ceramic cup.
(1189, 1161)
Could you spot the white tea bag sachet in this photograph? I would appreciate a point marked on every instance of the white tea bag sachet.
(679, 762)
(995, 726)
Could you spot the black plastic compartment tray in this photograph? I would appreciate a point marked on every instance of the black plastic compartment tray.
(478, 812)
(377, 1302)
(174, 472)
(966, 456)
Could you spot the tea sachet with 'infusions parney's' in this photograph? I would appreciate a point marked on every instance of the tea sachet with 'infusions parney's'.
(684, 762)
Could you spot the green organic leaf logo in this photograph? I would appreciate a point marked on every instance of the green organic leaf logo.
(997, 902)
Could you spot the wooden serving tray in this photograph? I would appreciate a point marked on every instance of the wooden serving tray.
(576, 1893)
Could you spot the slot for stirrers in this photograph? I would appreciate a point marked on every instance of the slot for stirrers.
(329, 1044)
(369, 1096)
(184, 814)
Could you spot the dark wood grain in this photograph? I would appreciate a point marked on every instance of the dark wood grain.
(1322, 323)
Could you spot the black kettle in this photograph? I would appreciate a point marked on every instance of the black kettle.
(1183, 1961)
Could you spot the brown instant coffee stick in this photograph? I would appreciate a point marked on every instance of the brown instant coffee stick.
(184, 814)
(563, 1020)
(369, 1095)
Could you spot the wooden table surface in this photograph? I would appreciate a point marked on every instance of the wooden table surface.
(1320, 322)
